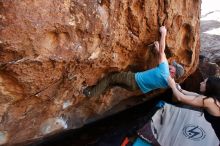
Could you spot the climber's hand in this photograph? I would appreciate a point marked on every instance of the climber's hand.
(163, 30)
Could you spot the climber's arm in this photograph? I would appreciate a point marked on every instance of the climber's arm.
(163, 33)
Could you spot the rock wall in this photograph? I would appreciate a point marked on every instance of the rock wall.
(51, 50)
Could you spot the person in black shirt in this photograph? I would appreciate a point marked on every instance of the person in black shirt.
(210, 101)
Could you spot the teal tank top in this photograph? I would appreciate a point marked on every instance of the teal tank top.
(154, 78)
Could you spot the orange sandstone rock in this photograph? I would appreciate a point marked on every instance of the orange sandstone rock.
(51, 50)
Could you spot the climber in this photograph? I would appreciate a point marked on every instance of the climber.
(145, 81)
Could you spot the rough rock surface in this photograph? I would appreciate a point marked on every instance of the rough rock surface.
(210, 46)
(51, 50)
